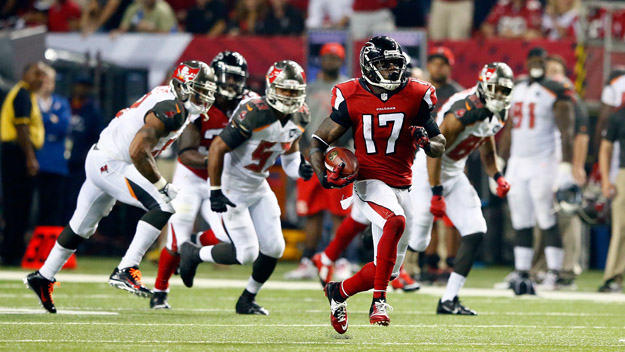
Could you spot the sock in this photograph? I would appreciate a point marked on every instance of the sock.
(206, 254)
(454, 284)
(554, 257)
(167, 264)
(144, 238)
(360, 282)
(325, 260)
(450, 262)
(253, 286)
(432, 260)
(387, 251)
(55, 261)
(379, 294)
(345, 233)
(207, 238)
(523, 258)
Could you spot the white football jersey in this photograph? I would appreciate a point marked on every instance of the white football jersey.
(533, 122)
(479, 125)
(613, 93)
(247, 165)
(115, 139)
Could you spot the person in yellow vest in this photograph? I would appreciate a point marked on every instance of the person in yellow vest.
(21, 133)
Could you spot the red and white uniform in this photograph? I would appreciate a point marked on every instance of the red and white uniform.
(193, 183)
(385, 148)
(506, 17)
(533, 162)
(111, 174)
(463, 204)
(569, 21)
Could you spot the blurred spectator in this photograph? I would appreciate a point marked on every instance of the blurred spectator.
(181, 8)
(371, 16)
(56, 115)
(561, 19)
(64, 16)
(248, 17)
(84, 131)
(329, 13)
(105, 15)
(439, 63)
(207, 17)
(282, 19)
(514, 19)
(313, 201)
(410, 13)
(450, 19)
(152, 16)
(21, 132)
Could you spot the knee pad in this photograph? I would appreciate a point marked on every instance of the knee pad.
(275, 250)
(157, 218)
(247, 255)
(552, 237)
(525, 237)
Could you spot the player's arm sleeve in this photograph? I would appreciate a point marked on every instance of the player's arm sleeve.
(22, 107)
(610, 132)
(240, 127)
(581, 118)
(425, 116)
(339, 112)
(170, 112)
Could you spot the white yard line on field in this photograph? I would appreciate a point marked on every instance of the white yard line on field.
(256, 325)
(333, 342)
(315, 286)
(19, 311)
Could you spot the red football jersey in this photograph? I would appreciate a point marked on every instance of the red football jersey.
(380, 125)
(210, 125)
(506, 17)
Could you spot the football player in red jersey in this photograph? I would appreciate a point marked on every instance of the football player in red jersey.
(191, 175)
(390, 118)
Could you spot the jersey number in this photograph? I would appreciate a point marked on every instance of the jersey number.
(466, 147)
(395, 119)
(517, 114)
(261, 154)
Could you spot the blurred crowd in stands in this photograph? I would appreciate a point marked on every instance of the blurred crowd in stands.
(528, 19)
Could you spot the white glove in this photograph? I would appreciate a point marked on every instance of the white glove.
(564, 178)
(167, 190)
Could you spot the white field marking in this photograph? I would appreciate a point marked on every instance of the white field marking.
(333, 342)
(315, 286)
(7, 310)
(60, 295)
(429, 312)
(257, 325)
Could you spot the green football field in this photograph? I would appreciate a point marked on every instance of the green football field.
(93, 316)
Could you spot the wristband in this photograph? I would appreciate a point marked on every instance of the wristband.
(497, 175)
(206, 163)
(437, 190)
(161, 183)
(215, 188)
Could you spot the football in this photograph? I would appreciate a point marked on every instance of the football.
(337, 155)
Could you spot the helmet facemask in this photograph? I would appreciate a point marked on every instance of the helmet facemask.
(387, 71)
(193, 84)
(286, 77)
(494, 87)
(230, 81)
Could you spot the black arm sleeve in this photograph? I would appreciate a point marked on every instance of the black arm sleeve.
(611, 131)
(22, 104)
(431, 127)
(233, 135)
(426, 118)
(170, 112)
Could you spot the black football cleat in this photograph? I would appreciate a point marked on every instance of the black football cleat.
(248, 305)
(43, 289)
(159, 301)
(453, 307)
(129, 279)
(338, 307)
(189, 260)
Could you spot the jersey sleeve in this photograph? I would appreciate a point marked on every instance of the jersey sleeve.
(244, 121)
(171, 113)
(469, 111)
(562, 90)
(611, 131)
(22, 106)
(339, 112)
(425, 116)
(609, 97)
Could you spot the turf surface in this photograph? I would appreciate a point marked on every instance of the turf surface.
(95, 317)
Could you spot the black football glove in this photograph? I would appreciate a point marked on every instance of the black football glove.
(219, 201)
(305, 169)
